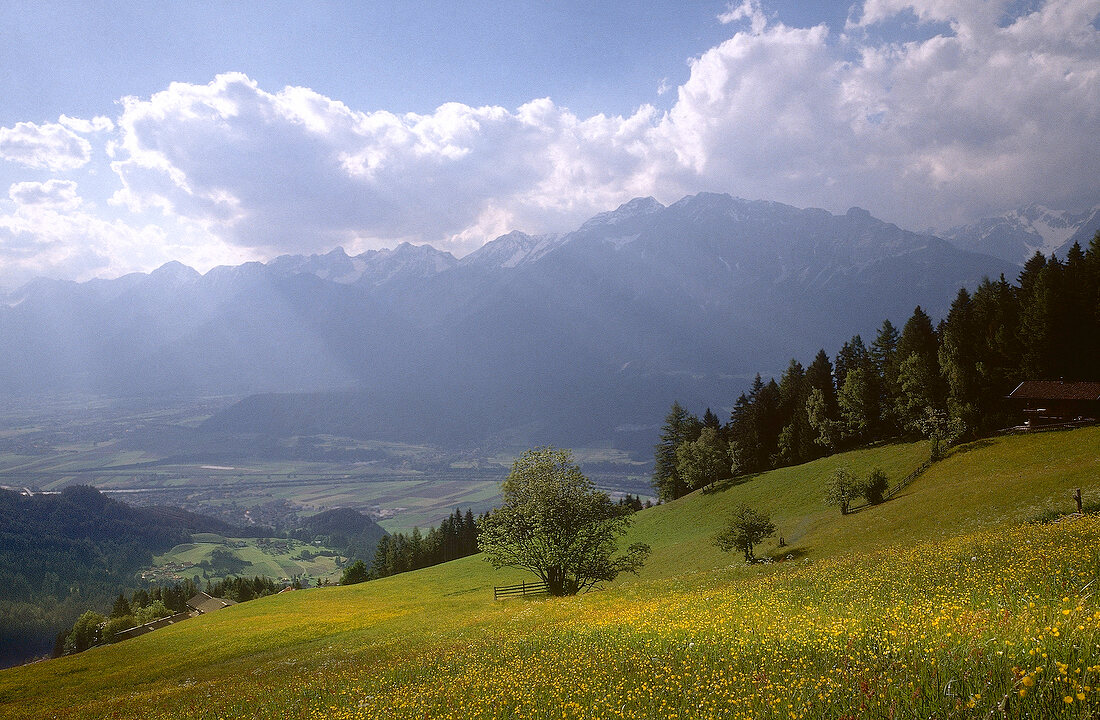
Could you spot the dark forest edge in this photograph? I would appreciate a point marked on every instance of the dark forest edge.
(66, 554)
(947, 382)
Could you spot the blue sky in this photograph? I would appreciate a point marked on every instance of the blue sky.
(78, 58)
(135, 133)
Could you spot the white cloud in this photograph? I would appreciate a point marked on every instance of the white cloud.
(750, 10)
(56, 193)
(53, 232)
(45, 239)
(987, 116)
(95, 125)
(294, 170)
(51, 146)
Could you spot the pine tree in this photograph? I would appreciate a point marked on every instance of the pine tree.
(379, 566)
(919, 383)
(1027, 278)
(1077, 324)
(853, 354)
(884, 356)
(958, 355)
(1092, 295)
(791, 388)
(819, 375)
(769, 421)
(680, 426)
(121, 608)
(1040, 323)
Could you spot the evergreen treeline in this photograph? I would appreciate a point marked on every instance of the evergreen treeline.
(242, 589)
(455, 537)
(634, 502)
(944, 380)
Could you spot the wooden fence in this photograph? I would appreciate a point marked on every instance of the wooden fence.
(151, 626)
(523, 589)
(897, 487)
(906, 480)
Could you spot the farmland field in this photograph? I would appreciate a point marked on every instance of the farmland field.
(155, 455)
(271, 557)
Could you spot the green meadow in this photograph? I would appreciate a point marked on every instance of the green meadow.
(946, 601)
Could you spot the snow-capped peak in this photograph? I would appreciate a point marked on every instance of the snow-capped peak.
(627, 211)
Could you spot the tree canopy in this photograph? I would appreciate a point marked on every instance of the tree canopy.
(556, 524)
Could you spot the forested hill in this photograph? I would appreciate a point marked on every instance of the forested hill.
(63, 553)
(945, 381)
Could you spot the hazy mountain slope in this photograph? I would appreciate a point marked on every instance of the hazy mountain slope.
(533, 339)
(1018, 235)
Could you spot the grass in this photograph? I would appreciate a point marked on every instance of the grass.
(942, 602)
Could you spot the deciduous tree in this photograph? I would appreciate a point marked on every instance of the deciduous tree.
(746, 529)
(841, 489)
(554, 523)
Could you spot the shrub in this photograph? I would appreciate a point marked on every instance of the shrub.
(874, 487)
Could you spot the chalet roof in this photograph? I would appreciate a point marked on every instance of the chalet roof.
(1056, 390)
(205, 603)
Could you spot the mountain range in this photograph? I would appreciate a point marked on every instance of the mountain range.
(1018, 235)
(578, 338)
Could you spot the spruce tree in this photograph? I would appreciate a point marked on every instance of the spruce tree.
(680, 426)
(884, 356)
(1077, 325)
(121, 608)
(919, 383)
(853, 354)
(819, 375)
(1040, 324)
(959, 356)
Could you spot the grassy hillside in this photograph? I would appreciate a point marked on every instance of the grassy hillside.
(938, 602)
(274, 558)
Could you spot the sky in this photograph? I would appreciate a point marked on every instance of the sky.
(132, 134)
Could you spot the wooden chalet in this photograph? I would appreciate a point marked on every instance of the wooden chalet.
(1057, 402)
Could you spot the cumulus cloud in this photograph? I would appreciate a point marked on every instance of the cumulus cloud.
(45, 239)
(95, 125)
(993, 113)
(53, 232)
(990, 114)
(57, 193)
(295, 170)
(978, 112)
(51, 146)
